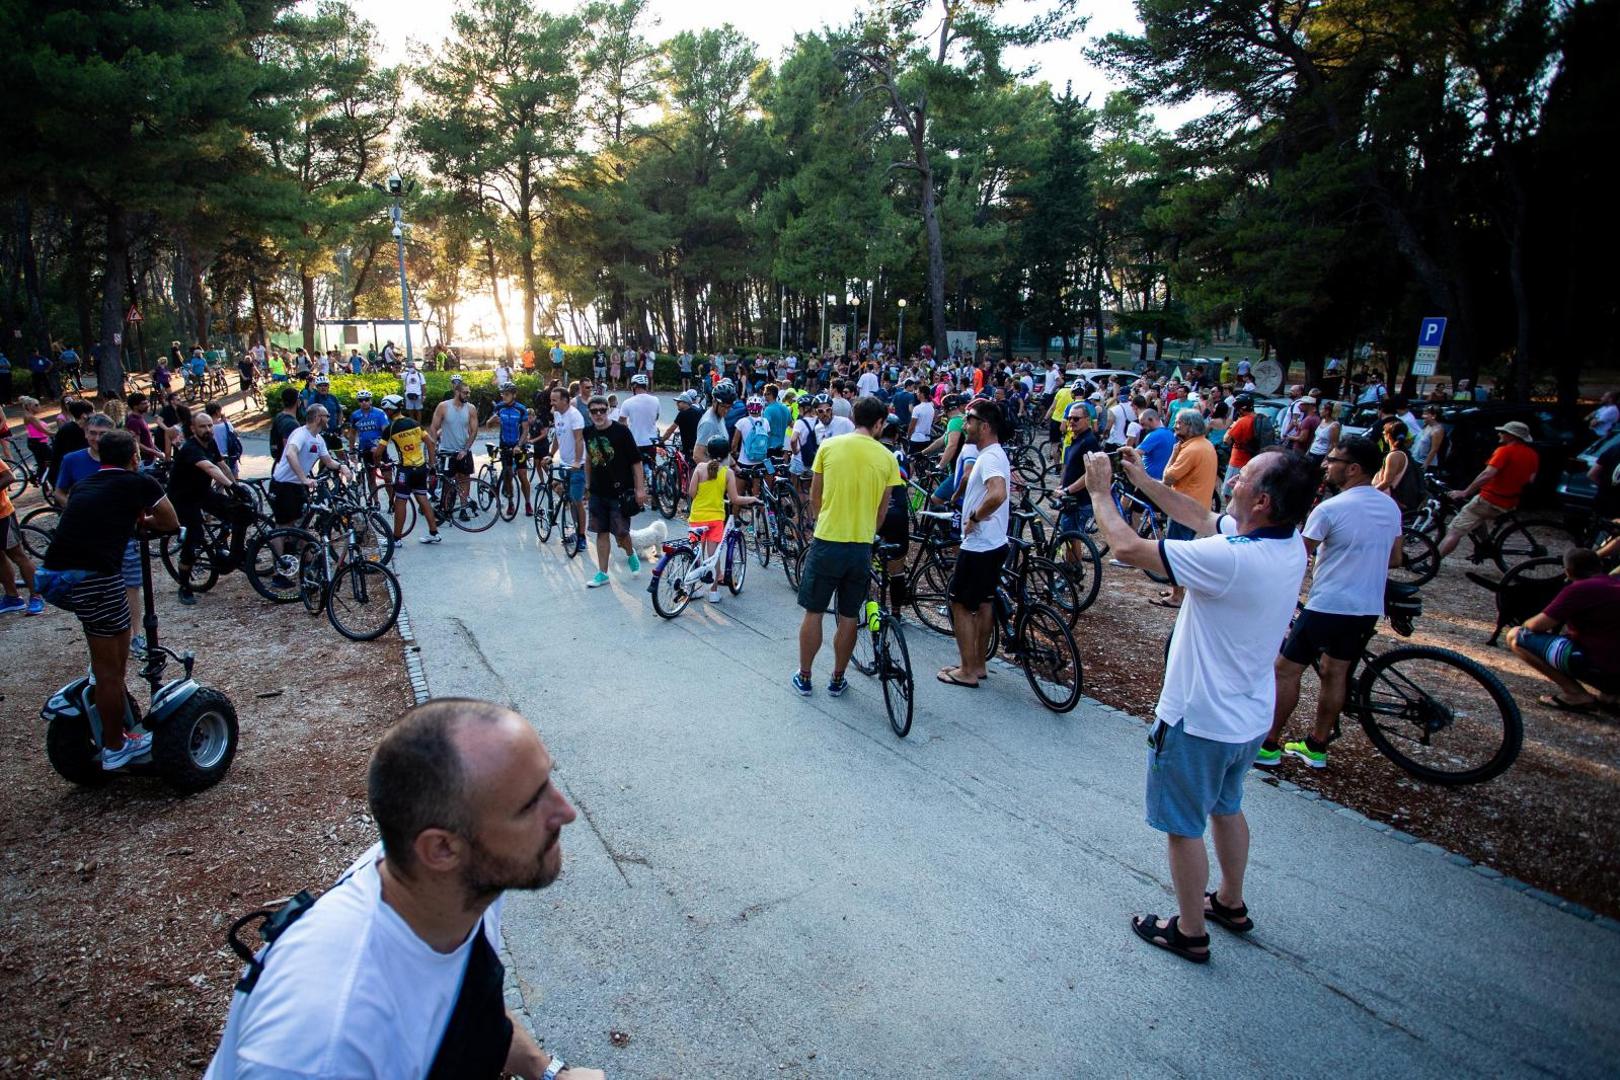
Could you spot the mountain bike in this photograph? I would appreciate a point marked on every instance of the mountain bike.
(1033, 634)
(361, 598)
(1071, 550)
(880, 644)
(778, 504)
(1510, 539)
(553, 510)
(671, 472)
(682, 570)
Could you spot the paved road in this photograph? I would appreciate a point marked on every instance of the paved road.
(761, 885)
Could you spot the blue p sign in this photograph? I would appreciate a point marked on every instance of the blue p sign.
(1431, 331)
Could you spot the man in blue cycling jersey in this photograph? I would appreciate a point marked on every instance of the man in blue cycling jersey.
(513, 417)
(367, 424)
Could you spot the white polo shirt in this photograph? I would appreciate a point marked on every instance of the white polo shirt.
(1241, 594)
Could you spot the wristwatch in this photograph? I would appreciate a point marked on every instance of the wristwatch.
(557, 1065)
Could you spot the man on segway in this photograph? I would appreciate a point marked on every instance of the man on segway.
(82, 574)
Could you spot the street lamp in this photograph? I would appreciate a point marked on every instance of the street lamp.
(871, 308)
(854, 318)
(900, 339)
(396, 187)
(829, 298)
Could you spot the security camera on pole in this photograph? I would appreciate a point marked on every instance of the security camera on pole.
(397, 187)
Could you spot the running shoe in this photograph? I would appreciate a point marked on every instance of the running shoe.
(430, 538)
(36, 605)
(12, 603)
(802, 685)
(134, 746)
(836, 686)
(581, 547)
(598, 581)
(137, 647)
(714, 596)
(635, 562)
(1267, 759)
(1316, 759)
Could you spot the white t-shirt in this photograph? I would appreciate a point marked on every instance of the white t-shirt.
(745, 427)
(564, 425)
(348, 990)
(1050, 385)
(838, 425)
(413, 383)
(1241, 592)
(991, 532)
(503, 375)
(1356, 529)
(641, 416)
(867, 383)
(308, 446)
(923, 413)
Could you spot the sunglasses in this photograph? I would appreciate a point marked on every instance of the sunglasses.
(597, 411)
(1337, 461)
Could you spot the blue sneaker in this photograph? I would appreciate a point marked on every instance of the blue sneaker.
(635, 562)
(12, 603)
(836, 686)
(580, 547)
(598, 581)
(802, 685)
(36, 605)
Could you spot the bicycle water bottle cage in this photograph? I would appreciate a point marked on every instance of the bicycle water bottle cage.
(272, 924)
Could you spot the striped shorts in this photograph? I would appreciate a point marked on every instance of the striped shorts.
(101, 605)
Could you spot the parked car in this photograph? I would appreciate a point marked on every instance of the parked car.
(1576, 489)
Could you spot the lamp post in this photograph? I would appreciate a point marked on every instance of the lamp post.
(396, 188)
(900, 339)
(825, 300)
(854, 299)
(871, 308)
(781, 307)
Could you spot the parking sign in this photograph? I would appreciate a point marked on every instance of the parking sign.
(1431, 332)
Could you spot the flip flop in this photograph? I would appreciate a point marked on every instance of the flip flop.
(1161, 602)
(1553, 701)
(951, 680)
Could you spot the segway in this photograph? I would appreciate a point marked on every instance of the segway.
(193, 726)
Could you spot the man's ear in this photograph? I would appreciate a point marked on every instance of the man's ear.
(439, 851)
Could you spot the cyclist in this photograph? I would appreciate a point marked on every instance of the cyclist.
(803, 438)
(751, 442)
(196, 371)
(13, 554)
(685, 424)
(1498, 487)
(713, 423)
(366, 424)
(198, 470)
(293, 476)
(568, 451)
(641, 416)
(986, 511)
(454, 421)
(513, 418)
(711, 488)
(323, 396)
(413, 446)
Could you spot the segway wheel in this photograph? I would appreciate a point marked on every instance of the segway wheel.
(193, 747)
(73, 753)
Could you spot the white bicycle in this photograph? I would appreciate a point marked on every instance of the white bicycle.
(682, 572)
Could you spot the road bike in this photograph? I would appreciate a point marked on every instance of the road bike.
(880, 644)
(361, 598)
(553, 510)
(503, 479)
(1434, 712)
(682, 571)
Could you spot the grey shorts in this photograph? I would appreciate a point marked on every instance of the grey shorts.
(1190, 777)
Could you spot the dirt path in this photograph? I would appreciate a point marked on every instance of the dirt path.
(112, 946)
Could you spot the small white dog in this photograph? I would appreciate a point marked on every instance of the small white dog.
(650, 540)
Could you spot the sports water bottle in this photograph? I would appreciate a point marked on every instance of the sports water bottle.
(874, 620)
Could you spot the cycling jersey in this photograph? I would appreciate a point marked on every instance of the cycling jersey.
(369, 425)
(512, 416)
(408, 437)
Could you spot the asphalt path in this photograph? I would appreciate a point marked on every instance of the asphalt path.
(764, 885)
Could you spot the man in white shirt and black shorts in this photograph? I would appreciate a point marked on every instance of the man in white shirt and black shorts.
(1241, 577)
(985, 513)
(1355, 537)
(394, 971)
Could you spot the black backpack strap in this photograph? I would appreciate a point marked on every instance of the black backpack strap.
(272, 924)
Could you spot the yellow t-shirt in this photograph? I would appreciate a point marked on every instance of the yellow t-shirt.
(1060, 404)
(709, 504)
(857, 472)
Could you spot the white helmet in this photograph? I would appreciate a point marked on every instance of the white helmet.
(392, 401)
(638, 380)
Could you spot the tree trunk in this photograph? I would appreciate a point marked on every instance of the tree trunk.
(306, 282)
(259, 335)
(38, 331)
(360, 279)
(495, 293)
(199, 303)
(109, 357)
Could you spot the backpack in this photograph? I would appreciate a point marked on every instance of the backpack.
(758, 443)
(1265, 433)
(233, 444)
(807, 446)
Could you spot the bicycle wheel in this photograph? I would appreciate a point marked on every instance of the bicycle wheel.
(1420, 559)
(507, 495)
(865, 655)
(1530, 538)
(1049, 583)
(1049, 657)
(203, 572)
(38, 529)
(669, 595)
(893, 662)
(1077, 554)
(666, 488)
(569, 526)
(764, 538)
(277, 583)
(1438, 715)
(363, 603)
(735, 562)
(478, 510)
(930, 585)
(1148, 528)
(792, 551)
(312, 578)
(545, 514)
(19, 479)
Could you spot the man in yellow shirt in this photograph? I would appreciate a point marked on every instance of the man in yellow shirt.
(849, 497)
(1055, 417)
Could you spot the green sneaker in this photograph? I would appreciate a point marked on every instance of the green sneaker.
(1267, 759)
(635, 562)
(598, 581)
(1316, 759)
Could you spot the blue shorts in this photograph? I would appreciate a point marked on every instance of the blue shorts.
(1190, 778)
(1075, 520)
(947, 488)
(1562, 654)
(131, 569)
(576, 484)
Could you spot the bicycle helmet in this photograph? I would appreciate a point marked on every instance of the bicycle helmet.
(362, 395)
(718, 447)
(821, 399)
(688, 397)
(392, 401)
(953, 401)
(323, 381)
(638, 380)
(756, 404)
(508, 388)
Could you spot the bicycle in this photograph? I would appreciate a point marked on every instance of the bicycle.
(1408, 697)
(1033, 633)
(880, 645)
(476, 512)
(552, 509)
(1509, 539)
(680, 573)
(778, 505)
(502, 479)
(349, 587)
(1071, 550)
(671, 472)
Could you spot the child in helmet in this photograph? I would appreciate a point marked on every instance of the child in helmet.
(712, 486)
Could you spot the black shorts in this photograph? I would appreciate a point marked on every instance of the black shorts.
(830, 568)
(976, 575)
(1318, 632)
(410, 481)
(611, 514)
(458, 463)
(287, 502)
(515, 457)
(896, 529)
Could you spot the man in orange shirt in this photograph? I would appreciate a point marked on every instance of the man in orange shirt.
(1192, 470)
(528, 359)
(1498, 487)
(1242, 438)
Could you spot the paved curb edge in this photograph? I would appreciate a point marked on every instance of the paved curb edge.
(419, 691)
(1579, 911)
